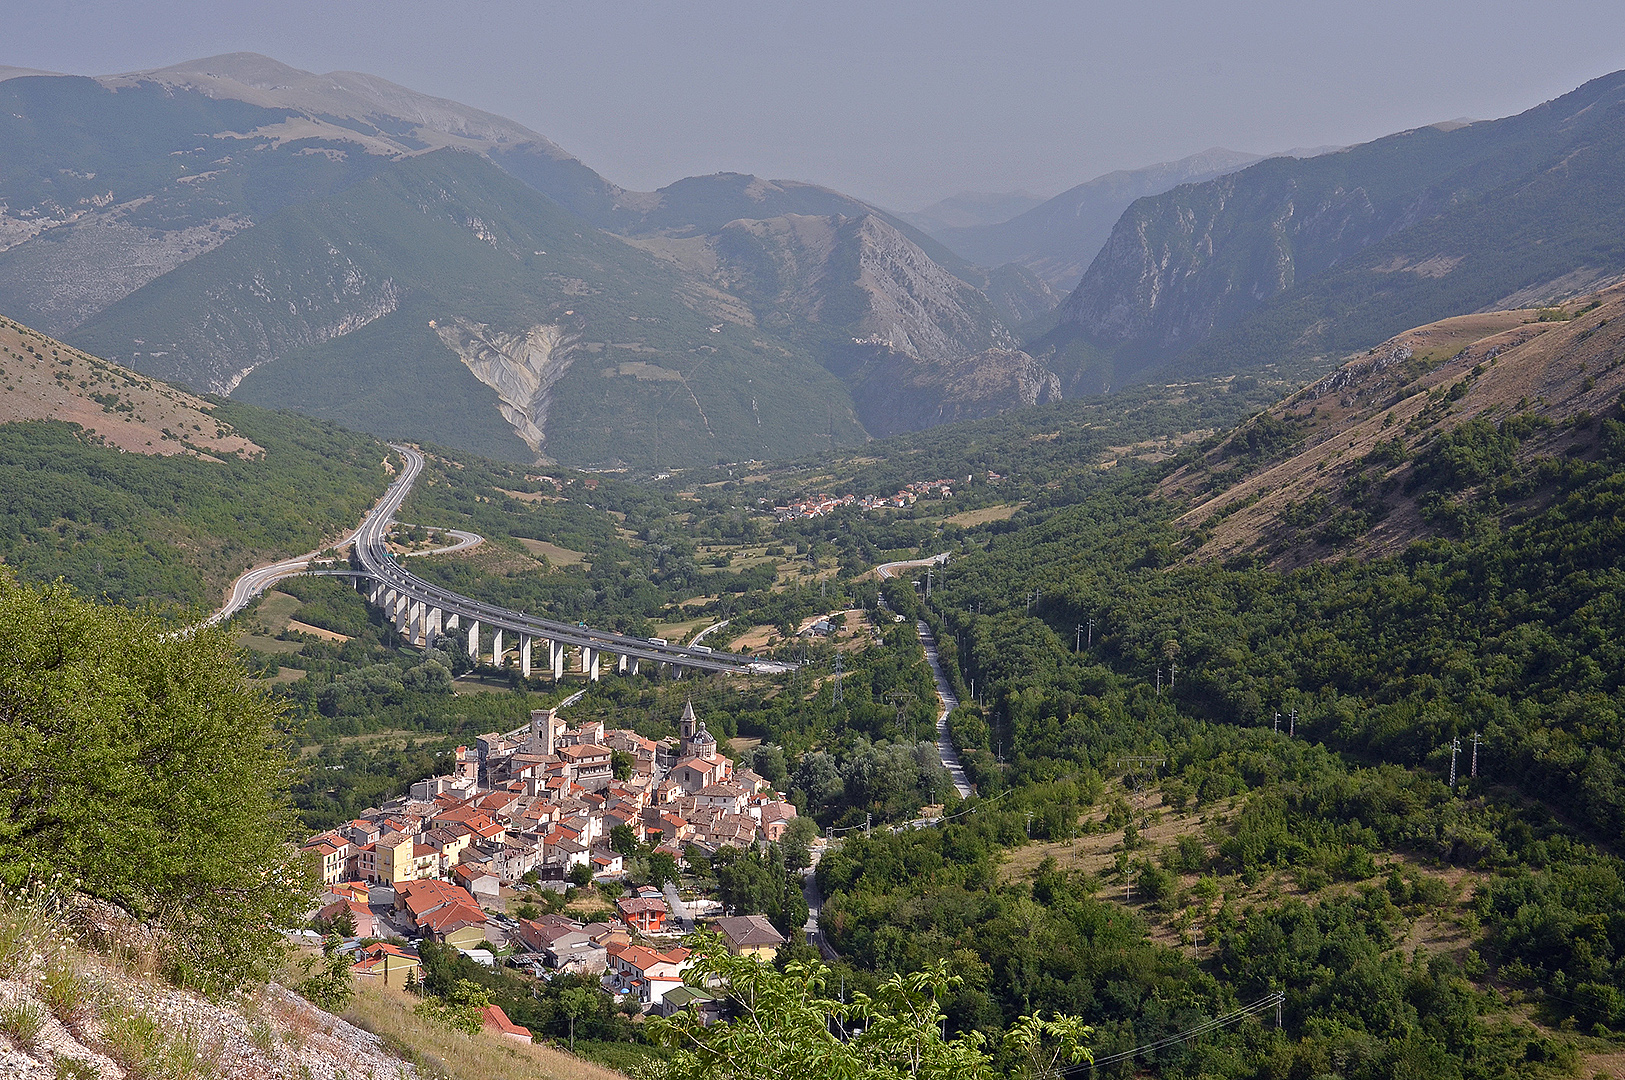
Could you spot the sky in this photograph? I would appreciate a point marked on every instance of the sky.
(897, 103)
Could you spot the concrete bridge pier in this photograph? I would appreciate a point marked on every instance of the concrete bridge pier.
(433, 628)
(474, 640)
(555, 659)
(415, 623)
(524, 655)
(620, 664)
(632, 668)
(496, 647)
(589, 663)
(453, 621)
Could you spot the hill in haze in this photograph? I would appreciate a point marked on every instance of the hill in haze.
(414, 267)
(1289, 259)
(1057, 238)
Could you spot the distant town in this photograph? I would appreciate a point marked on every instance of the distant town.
(818, 505)
(538, 807)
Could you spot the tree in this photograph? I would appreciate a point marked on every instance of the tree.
(797, 841)
(623, 840)
(580, 874)
(576, 1002)
(662, 868)
(1048, 1046)
(140, 763)
(782, 1030)
(344, 922)
(462, 1008)
(620, 764)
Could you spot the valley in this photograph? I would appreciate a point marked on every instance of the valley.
(1218, 667)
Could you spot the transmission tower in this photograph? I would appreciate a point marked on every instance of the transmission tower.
(1455, 748)
(838, 698)
(1474, 772)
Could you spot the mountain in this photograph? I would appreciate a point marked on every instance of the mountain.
(444, 300)
(1289, 259)
(1431, 431)
(411, 266)
(971, 208)
(1057, 238)
(44, 379)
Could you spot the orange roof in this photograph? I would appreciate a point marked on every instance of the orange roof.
(494, 1017)
(452, 916)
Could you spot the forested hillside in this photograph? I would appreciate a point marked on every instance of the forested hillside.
(139, 492)
(1335, 862)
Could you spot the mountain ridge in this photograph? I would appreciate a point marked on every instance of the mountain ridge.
(1293, 258)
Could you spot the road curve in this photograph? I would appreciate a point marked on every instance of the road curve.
(254, 582)
(465, 540)
(380, 565)
(889, 570)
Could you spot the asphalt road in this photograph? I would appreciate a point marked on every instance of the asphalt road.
(256, 581)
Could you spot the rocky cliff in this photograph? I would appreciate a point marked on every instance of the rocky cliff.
(1295, 257)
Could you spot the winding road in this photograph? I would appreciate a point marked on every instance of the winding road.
(949, 701)
(254, 582)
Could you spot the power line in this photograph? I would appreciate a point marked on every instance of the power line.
(1269, 1001)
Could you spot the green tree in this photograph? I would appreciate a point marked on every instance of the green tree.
(139, 762)
(576, 1003)
(461, 1008)
(782, 1027)
(662, 868)
(623, 840)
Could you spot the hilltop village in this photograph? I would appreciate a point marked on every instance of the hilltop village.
(818, 505)
(539, 807)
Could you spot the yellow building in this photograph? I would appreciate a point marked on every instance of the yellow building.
(750, 935)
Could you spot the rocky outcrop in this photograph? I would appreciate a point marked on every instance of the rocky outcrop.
(521, 367)
(904, 395)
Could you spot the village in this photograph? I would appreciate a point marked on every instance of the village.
(819, 505)
(537, 809)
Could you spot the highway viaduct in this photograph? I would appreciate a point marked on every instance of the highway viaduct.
(422, 611)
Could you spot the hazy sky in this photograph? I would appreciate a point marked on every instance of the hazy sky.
(899, 103)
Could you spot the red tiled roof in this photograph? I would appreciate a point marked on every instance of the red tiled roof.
(494, 1017)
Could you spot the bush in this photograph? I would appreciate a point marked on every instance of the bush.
(142, 765)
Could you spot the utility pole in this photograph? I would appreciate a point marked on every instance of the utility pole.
(1277, 728)
(1029, 824)
(1475, 756)
(928, 582)
(1455, 748)
(1091, 639)
(838, 698)
(1172, 666)
(1159, 680)
(1077, 639)
(868, 821)
(1292, 723)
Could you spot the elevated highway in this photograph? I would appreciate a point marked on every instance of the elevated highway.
(423, 611)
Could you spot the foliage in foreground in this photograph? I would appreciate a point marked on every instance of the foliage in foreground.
(783, 1020)
(141, 766)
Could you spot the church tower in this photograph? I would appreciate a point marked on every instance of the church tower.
(687, 726)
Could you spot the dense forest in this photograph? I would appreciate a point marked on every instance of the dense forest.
(1297, 829)
(175, 530)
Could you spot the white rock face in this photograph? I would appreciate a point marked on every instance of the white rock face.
(521, 367)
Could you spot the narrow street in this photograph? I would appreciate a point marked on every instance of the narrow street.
(948, 702)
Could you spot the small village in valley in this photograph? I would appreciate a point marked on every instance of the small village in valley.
(539, 810)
